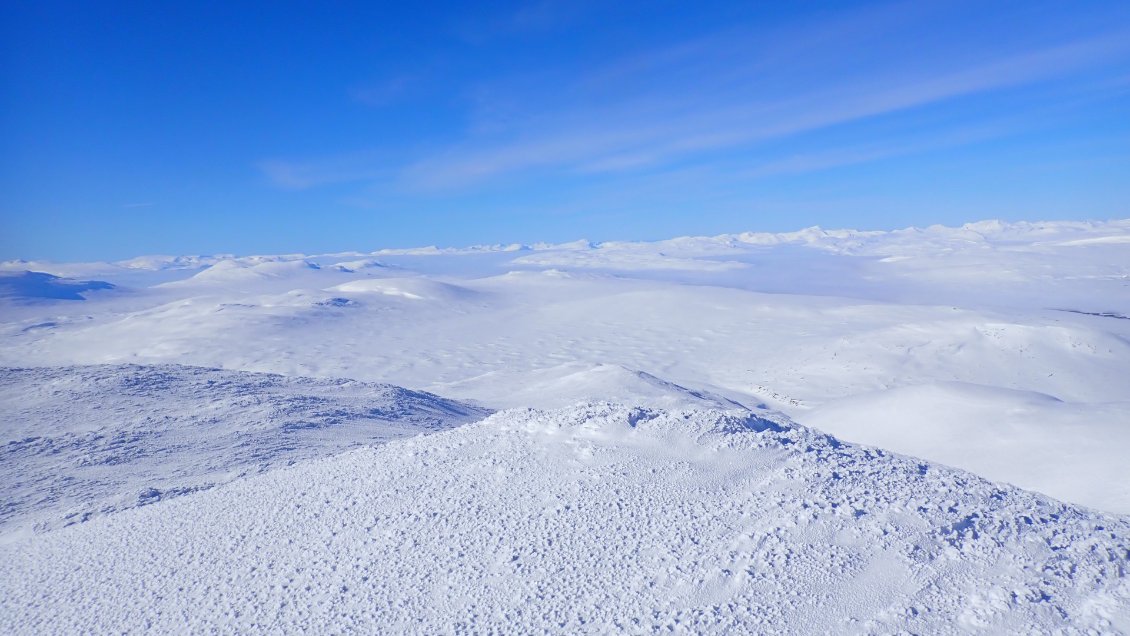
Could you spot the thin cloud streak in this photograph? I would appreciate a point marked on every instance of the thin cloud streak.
(739, 52)
(728, 91)
(624, 143)
(804, 163)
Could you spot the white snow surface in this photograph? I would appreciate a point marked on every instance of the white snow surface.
(79, 442)
(591, 519)
(694, 503)
(796, 321)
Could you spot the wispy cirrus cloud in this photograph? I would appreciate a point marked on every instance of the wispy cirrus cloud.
(734, 91)
(634, 135)
(855, 154)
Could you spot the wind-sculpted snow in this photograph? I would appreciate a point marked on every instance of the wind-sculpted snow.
(83, 441)
(593, 519)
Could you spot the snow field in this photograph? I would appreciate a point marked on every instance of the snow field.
(590, 519)
(544, 340)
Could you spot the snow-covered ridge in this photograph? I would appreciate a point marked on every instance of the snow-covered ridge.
(595, 519)
(83, 441)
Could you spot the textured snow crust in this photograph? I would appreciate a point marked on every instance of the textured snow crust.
(84, 441)
(591, 519)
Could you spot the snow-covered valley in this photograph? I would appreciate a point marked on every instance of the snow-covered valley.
(672, 482)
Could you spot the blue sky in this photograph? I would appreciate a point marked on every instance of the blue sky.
(141, 128)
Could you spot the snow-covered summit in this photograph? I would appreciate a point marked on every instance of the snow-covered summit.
(595, 519)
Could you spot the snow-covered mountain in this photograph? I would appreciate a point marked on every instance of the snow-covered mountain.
(590, 519)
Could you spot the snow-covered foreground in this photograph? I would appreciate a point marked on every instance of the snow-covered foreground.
(591, 519)
(85, 441)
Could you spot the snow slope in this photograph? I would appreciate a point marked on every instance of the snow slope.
(592, 519)
(79, 442)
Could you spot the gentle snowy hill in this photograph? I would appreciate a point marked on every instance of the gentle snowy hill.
(570, 383)
(30, 286)
(593, 519)
(412, 288)
(84, 441)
